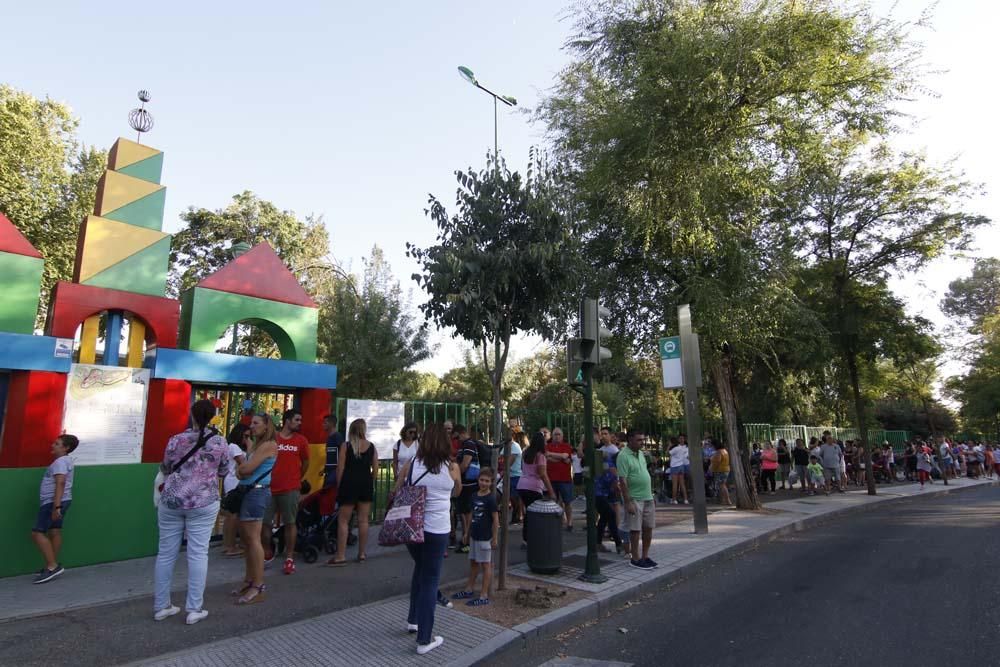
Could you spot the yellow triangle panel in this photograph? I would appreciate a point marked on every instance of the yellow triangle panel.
(105, 243)
(126, 152)
(116, 190)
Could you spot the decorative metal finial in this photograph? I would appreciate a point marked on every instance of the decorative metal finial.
(139, 119)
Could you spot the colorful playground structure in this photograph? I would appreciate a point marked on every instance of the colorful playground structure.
(119, 363)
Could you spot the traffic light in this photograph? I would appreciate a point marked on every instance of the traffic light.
(574, 361)
(593, 333)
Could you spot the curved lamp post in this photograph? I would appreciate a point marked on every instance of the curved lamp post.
(467, 74)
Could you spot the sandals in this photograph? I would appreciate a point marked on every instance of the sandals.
(478, 602)
(362, 558)
(463, 595)
(242, 589)
(333, 562)
(257, 597)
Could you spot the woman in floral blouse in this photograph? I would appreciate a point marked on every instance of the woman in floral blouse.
(189, 505)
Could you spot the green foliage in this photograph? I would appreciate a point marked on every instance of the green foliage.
(977, 297)
(467, 383)
(48, 182)
(978, 390)
(371, 335)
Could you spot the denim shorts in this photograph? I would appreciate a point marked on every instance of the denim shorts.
(44, 522)
(255, 503)
(564, 491)
(681, 470)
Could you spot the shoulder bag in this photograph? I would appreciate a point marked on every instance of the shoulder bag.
(234, 499)
(161, 478)
(404, 518)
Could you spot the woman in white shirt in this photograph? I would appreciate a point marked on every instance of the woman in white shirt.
(405, 448)
(230, 522)
(432, 469)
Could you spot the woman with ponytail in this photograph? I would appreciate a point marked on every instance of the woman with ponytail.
(193, 463)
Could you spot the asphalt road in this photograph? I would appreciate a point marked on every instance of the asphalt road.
(910, 584)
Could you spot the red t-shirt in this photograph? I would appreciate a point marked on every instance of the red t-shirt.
(559, 471)
(456, 446)
(287, 473)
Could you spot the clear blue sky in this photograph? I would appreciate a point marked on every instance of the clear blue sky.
(355, 111)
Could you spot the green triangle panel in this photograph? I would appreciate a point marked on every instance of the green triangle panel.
(145, 272)
(20, 281)
(148, 169)
(146, 212)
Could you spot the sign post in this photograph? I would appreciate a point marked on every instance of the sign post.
(691, 363)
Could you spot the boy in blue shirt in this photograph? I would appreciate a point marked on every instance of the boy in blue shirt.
(54, 493)
(482, 539)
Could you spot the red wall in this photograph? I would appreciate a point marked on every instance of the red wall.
(167, 414)
(314, 405)
(33, 418)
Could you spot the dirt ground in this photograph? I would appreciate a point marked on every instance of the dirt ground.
(505, 610)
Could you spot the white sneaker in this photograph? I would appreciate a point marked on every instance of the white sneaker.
(423, 649)
(195, 616)
(166, 612)
(411, 627)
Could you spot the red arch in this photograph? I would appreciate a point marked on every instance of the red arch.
(72, 303)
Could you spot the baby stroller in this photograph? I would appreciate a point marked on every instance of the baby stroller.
(316, 522)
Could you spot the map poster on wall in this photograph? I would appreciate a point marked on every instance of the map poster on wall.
(106, 409)
(385, 420)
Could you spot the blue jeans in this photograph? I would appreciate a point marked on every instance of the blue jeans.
(196, 525)
(427, 560)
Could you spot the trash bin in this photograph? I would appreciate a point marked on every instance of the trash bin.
(545, 530)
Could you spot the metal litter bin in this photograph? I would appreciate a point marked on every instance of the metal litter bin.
(545, 530)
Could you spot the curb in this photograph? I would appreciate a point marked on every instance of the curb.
(598, 605)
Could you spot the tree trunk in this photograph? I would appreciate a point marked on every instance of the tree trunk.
(851, 360)
(746, 494)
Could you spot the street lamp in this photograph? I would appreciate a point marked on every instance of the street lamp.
(467, 74)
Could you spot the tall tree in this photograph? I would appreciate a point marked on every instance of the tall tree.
(865, 214)
(976, 297)
(679, 118)
(370, 333)
(48, 182)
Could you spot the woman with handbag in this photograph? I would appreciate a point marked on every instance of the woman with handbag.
(249, 499)
(189, 504)
(432, 469)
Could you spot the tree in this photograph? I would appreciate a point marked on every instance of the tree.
(978, 390)
(502, 264)
(680, 119)
(467, 383)
(48, 182)
(370, 333)
(864, 214)
(976, 297)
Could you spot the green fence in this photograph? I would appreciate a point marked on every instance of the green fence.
(765, 432)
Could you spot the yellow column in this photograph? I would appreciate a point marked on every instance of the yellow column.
(88, 340)
(136, 337)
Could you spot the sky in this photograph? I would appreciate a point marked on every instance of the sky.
(357, 114)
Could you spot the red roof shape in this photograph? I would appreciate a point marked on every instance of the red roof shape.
(259, 273)
(13, 241)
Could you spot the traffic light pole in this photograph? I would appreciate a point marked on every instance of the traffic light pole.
(592, 571)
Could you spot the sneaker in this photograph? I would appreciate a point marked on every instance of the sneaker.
(641, 564)
(673, 501)
(48, 575)
(463, 549)
(195, 616)
(289, 567)
(268, 557)
(444, 602)
(463, 595)
(478, 602)
(650, 562)
(423, 649)
(166, 612)
(411, 628)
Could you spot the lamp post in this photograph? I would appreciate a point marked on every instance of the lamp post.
(467, 74)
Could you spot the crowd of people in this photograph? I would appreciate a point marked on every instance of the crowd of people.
(262, 466)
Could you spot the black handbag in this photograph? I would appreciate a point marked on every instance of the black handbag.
(234, 499)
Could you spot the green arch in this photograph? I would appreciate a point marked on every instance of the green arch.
(207, 313)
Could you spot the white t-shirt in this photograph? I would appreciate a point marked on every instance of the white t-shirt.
(609, 449)
(404, 453)
(679, 456)
(577, 464)
(231, 481)
(437, 510)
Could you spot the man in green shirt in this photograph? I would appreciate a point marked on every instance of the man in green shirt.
(637, 494)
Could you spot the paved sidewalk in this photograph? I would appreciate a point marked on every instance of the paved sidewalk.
(373, 634)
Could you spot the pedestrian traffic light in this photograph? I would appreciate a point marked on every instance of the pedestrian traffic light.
(574, 361)
(593, 333)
